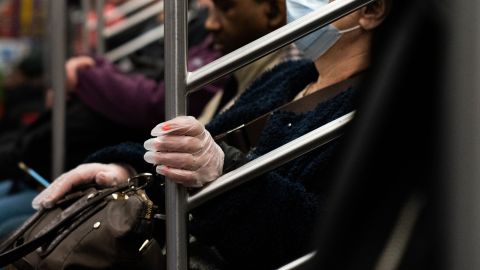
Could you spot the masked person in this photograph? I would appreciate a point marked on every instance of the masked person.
(268, 221)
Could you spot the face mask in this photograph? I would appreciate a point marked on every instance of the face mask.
(317, 43)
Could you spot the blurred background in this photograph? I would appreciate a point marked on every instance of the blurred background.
(24, 47)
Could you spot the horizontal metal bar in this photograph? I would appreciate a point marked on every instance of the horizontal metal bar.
(127, 8)
(300, 262)
(145, 39)
(271, 42)
(271, 160)
(149, 37)
(141, 16)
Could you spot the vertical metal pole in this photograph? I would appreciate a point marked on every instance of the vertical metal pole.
(175, 81)
(99, 5)
(57, 11)
(85, 30)
(463, 133)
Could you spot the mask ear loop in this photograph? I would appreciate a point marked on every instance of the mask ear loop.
(349, 29)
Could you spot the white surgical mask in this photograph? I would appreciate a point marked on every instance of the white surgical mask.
(317, 43)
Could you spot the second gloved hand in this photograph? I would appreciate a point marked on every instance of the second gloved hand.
(185, 152)
(102, 174)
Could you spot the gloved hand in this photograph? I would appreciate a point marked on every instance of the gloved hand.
(102, 174)
(71, 68)
(185, 152)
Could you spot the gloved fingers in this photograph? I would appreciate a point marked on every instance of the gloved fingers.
(181, 125)
(58, 188)
(175, 160)
(82, 174)
(184, 177)
(40, 199)
(185, 151)
(172, 143)
(210, 169)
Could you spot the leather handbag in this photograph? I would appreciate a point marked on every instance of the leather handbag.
(93, 228)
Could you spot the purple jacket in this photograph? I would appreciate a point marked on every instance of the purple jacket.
(134, 100)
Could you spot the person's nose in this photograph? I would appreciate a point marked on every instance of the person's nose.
(212, 23)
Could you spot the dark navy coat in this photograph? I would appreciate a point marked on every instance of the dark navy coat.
(268, 221)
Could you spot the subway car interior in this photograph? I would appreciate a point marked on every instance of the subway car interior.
(239, 134)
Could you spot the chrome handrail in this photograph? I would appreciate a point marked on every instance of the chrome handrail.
(57, 51)
(145, 14)
(153, 35)
(300, 262)
(143, 40)
(272, 160)
(127, 8)
(175, 105)
(460, 126)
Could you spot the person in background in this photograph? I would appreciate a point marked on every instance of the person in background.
(108, 91)
(237, 23)
(268, 221)
(24, 94)
(133, 99)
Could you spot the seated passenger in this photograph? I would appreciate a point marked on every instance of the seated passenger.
(268, 221)
(234, 24)
(22, 95)
(133, 98)
(116, 95)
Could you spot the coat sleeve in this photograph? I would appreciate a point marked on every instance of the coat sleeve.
(234, 158)
(130, 99)
(128, 153)
(133, 99)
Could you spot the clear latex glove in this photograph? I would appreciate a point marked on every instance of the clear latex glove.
(71, 68)
(102, 174)
(185, 152)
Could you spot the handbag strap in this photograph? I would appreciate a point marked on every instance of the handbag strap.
(45, 235)
(246, 136)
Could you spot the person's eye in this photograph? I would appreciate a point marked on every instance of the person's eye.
(224, 6)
